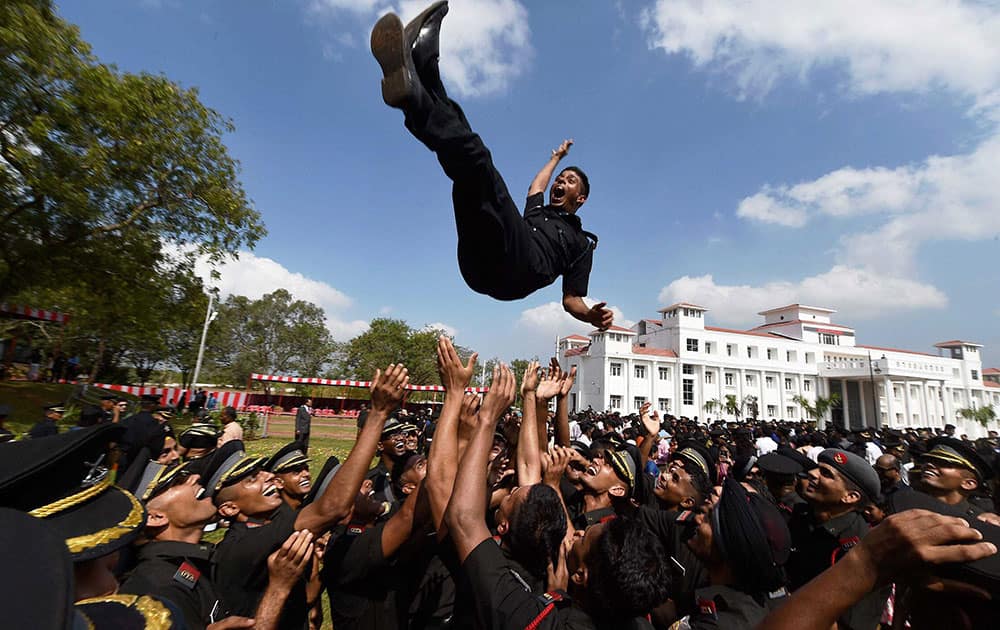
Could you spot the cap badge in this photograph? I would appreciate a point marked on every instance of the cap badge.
(840, 458)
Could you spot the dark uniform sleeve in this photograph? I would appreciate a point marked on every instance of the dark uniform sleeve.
(536, 200)
(362, 556)
(576, 279)
(182, 597)
(502, 600)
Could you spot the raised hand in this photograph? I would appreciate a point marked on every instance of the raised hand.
(530, 381)
(600, 316)
(501, 395)
(454, 374)
(548, 385)
(554, 464)
(651, 425)
(563, 149)
(566, 383)
(286, 565)
(389, 388)
(557, 577)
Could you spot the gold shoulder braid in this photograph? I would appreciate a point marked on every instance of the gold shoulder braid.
(72, 500)
(157, 615)
(133, 520)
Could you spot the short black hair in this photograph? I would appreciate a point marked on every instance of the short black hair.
(584, 180)
(537, 530)
(629, 575)
(701, 484)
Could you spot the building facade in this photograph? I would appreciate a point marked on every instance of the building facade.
(686, 368)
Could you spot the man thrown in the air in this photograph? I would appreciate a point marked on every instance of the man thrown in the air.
(500, 252)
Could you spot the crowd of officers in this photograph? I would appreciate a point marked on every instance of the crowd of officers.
(487, 516)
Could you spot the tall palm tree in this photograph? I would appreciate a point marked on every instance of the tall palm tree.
(732, 406)
(750, 404)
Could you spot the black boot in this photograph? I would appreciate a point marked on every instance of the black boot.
(421, 35)
(401, 87)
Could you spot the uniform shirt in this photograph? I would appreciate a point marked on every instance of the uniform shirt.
(787, 503)
(303, 419)
(241, 568)
(688, 571)
(726, 607)
(565, 246)
(182, 573)
(818, 546)
(43, 428)
(593, 517)
(359, 581)
(381, 483)
(503, 598)
(139, 430)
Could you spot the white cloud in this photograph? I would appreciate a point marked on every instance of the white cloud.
(451, 331)
(541, 325)
(881, 45)
(485, 44)
(253, 276)
(854, 293)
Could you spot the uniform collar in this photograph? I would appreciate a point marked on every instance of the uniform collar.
(166, 549)
(838, 524)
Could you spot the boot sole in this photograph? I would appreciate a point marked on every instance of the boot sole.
(388, 49)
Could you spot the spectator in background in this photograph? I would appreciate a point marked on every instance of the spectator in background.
(212, 402)
(303, 423)
(231, 429)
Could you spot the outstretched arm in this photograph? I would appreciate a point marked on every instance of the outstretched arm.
(467, 508)
(336, 502)
(529, 457)
(541, 181)
(598, 315)
(562, 404)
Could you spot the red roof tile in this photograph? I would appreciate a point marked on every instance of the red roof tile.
(991, 370)
(578, 337)
(683, 305)
(800, 321)
(991, 384)
(658, 322)
(572, 352)
(744, 332)
(659, 352)
(956, 342)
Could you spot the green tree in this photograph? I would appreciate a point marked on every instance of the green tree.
(982, 415)
(711, 405)
(732, 406)
(93, 157)
(818, 409)
(749, 403)
(273, 335)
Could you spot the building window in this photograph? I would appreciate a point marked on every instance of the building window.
(616, 402)
(616, 369)
(772, 410)
(751, 352)
(810, 357)
(730, 377)
(708, 347)
(790, 412)
(769, 382)
(687, 368)
(788, 384)
(663, 404)
(807, 386)
(688, 391)
(638, 402)
(750, 380)
(640, 371)
(709, 378)
(975, 373)
(730, 349)
(791, 356)
(664, 373)
(692, 345)
(828, 339)
(772, 354)
(895, 392)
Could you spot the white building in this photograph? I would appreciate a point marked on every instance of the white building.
(679, 364)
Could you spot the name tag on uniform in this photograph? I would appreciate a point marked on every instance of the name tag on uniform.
(188, 575)
(707, 608)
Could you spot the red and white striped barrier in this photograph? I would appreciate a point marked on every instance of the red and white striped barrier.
(304, 380)
(169, 395)
(34, 313)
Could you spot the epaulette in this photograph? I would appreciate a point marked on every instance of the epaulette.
(550, 601)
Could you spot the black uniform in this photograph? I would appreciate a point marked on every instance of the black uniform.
(241, 568)
(674, 537)
(139, 429)
(726, 607)
(182, 573)
(787, 503)
(44, 428)
(381, 483)
(503, 598)
(593, 517)
(501, 253)
(359, 580)
(818, 546)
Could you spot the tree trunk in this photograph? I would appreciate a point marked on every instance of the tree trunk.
(97, 360)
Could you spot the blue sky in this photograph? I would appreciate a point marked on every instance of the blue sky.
(743, 154)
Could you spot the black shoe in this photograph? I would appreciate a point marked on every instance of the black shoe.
(421, 36)
(401, 86)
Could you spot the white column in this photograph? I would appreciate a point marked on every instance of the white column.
(925, 416)
(843, 404)
(908, 414)
(781, 395)
(949, 414)
(889, 412)
(863, 403)
(822, 389)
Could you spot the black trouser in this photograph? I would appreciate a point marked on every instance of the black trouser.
(303, 437)
(497, 254)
